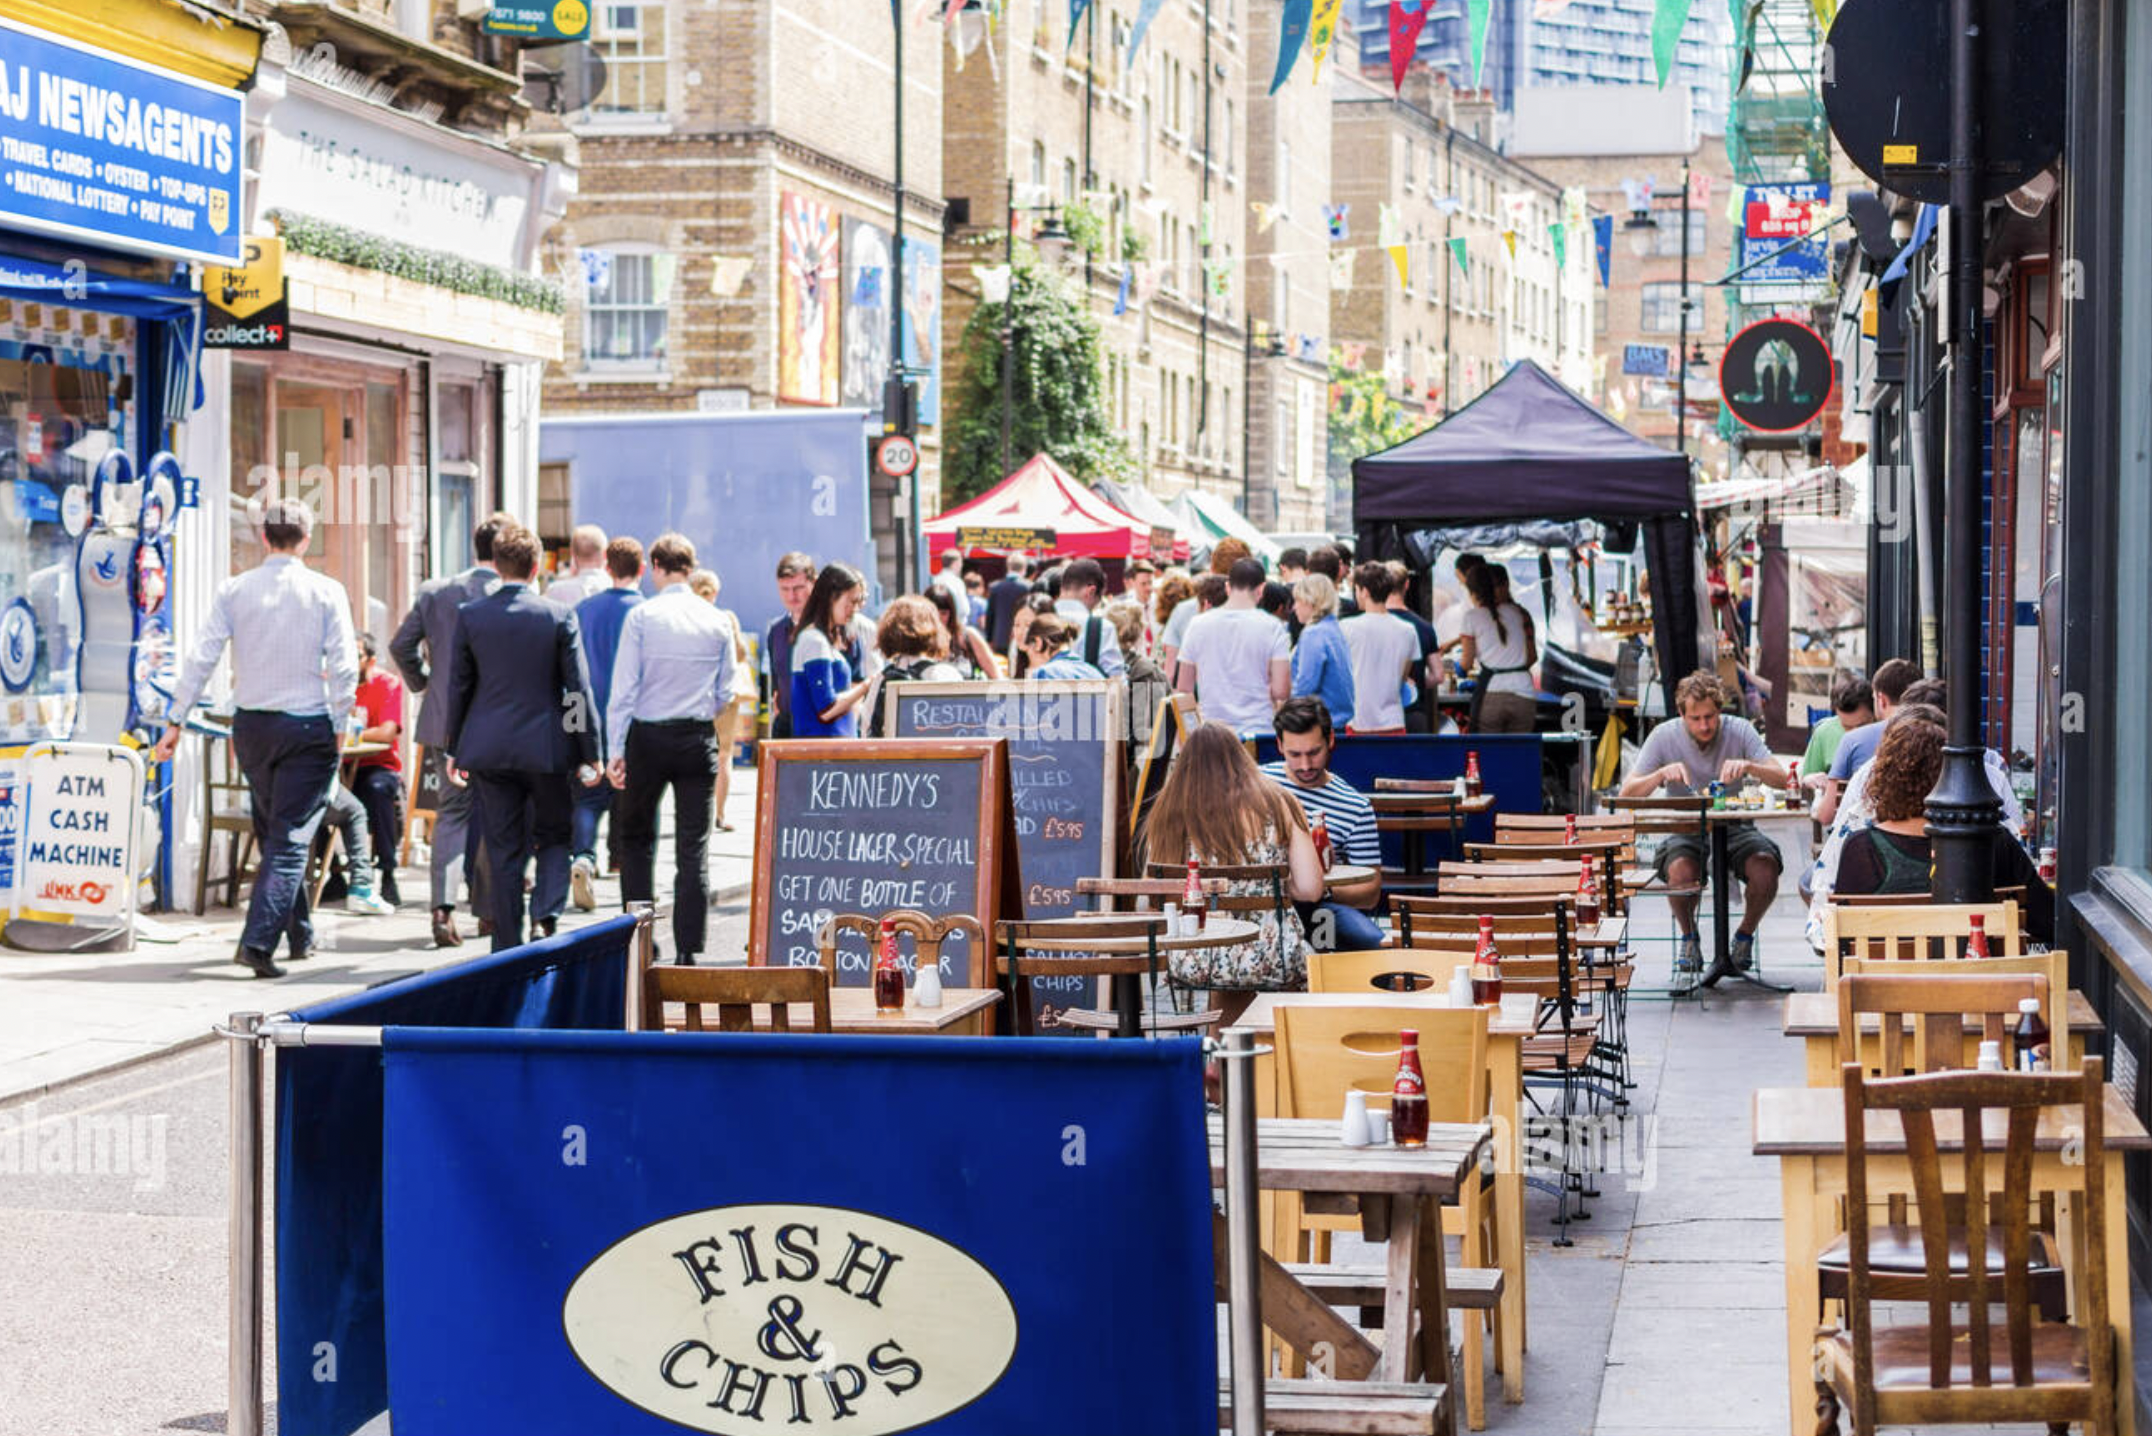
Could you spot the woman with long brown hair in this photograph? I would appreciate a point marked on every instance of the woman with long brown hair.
(1217, 808)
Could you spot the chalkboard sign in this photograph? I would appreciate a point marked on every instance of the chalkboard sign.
(1065, 742)
(845, 825)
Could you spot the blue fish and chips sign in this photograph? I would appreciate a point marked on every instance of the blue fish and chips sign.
(97, 147)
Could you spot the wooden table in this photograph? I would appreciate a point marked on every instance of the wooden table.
(1417, 814)
(1813, 1017)
(1128, 958)
(1607, 932)
(1505, 1103)
(851, 1010)
(1717, 821)
(1804, 1127)
(1398, 1193)
(1351, 876)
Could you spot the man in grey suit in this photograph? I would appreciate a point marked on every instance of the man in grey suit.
(422, 647)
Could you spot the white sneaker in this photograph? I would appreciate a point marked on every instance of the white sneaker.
(363, 902)
(582, 885)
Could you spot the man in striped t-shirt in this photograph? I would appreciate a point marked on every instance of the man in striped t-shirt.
(1306, 736)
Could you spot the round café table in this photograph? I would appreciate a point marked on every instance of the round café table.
(1131, 957)
(1353, 875)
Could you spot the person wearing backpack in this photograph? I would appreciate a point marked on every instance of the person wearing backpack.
(914, 644)
(1083, 586)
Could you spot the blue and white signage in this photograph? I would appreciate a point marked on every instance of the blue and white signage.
(18, 645)
(1782, 221)
(102, 148)
(1649, 360)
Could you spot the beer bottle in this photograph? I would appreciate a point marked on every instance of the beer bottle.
(888, 972)
(1486, 967)
(1408, 1094)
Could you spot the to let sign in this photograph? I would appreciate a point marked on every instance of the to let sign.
(541, 20)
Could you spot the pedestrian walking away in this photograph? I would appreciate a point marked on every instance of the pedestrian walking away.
(586, 573)
(795, 580)
(521, 720)
(291, 693)
(421, 648)
(672, 675)
(600, 618)
(1236, 659)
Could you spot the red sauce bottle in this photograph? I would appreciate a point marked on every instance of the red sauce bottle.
(1569, 830)
(1587, 896)
(888, 972)
(1486, 967)
(1320, 832)
(1472, 773)
(1408, 1094)
(1194, 901)
(1976, 945)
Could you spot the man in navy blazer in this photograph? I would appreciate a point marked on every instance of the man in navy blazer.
(521, 719)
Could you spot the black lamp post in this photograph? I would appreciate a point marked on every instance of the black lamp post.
(1053, 243)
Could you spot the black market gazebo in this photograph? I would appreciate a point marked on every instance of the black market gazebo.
(1530, 450)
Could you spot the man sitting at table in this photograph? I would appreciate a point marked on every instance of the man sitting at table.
(1687, 757)
(1305, 741)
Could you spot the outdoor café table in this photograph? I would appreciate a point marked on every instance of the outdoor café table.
(1717, 819)
(1607, 932)
(1805, 1128)
(1417, 814)
(1505, 1104)
(851, 1009)
(1398, 1193)
(1129, 957)
(1350, 883)
(1813, 1017)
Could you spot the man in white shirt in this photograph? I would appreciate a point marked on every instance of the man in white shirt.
(951, 578)
(1083, 584)
(1236, 659)
(586, 573)
(1384, 650)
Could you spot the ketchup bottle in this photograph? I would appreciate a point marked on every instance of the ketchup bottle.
(1320, 832)
(1408, 1094)
(1194, 902)
(888, 972)
(1569, 830)
(1976, 944)
(1587, 896)
(1486, 967)
(1472, 773)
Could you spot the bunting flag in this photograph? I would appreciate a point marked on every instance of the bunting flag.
(1389, 226)
(1334, 218)
(1406, 18)
(1292, 32)
(597, 266)
(1449, 204)
(1667, 19)
(993, 282)
(1636, 193)
(1321, 30)
(1260, 334)
(1559, 233)
(1342, 264)
(1574, 202)
(1431, 406)
(1699, 189)
(1603, 246)
(1479, 13)
(1265, 216)
(1459, 253)
(1076, 9)
(1400, 255)
(1509, 237)
(1120, 300)
(949, 14)
(1148, 278)
(1146, 12)
(1352, 355)
(1311, 348)
(1218, 274)
(728, 272)
(1203, 223)
(1516, 208)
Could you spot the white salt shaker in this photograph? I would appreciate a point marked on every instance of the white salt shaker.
(1991, 1057)
(1460, 987)
(927, 985)
(1352, 1129)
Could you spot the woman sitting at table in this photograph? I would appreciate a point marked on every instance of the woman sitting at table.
(824, 693)
(1217, 808)
(1046, 649)
(1893, 856)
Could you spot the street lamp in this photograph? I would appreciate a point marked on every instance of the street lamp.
(1642, 229)
(1052, 242)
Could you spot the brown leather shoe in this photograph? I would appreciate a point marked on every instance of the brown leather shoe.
(485, 927)
(261, 964)
(444, 928)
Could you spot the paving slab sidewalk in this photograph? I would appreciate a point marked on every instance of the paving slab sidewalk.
(66, 1016)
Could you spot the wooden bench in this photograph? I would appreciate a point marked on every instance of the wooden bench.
(1346, 1408)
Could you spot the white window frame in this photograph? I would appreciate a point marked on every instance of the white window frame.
(639, 365)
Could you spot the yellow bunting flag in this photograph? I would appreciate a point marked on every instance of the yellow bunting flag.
(1509, 237)
(1321, 31)
(1400, 255)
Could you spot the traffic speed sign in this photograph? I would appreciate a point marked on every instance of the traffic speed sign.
(896, 455)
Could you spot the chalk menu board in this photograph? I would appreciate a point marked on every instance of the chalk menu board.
(846, 825)
(1065, 776)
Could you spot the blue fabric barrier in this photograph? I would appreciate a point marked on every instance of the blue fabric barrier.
(1509, 769)
(635, 1232)
(329, 1154)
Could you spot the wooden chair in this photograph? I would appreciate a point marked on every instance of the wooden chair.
(1068, 947)
(1839, 899)
(1147, 894)
(1938, 1372)
(735, 992)
(1537, 827)
(1415, 807)
(2053, 966)
(1924, 931)
(1324, 1052)
(225, 800)
(1473, 903)
(926, 932)
(1355, 972)
(1672, 815)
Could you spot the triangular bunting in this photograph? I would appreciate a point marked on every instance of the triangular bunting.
(1459, 253)
(1406, 19)
(1400, 255)
(1321, 30)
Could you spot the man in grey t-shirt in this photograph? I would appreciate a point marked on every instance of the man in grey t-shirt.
(1687, 757)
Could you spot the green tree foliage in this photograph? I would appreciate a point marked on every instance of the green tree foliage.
(1057, 391)
(1364, 419)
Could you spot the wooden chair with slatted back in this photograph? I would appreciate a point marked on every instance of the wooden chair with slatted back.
(1548, 888)
(1907, 933)
(1325, 1052)
(1356, 972)
(735, 992)
(1146, 895)
(225, 810)
(1663, 816)
(1474, 903)
(1549, 827)
(2054, 966)
(1939, 1372)
(1839, 899)
(1065, 947)
(927, 933)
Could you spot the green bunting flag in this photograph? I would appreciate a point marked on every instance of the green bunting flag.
(1479, 13)
(1459, 253)
(1667, 19)
(1559, 233)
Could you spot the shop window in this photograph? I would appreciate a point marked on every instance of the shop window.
(395, 508)
(461, 432)
(1666, 241)
(624, 312)
(631, 39)
(1660, 309)
(252, 468)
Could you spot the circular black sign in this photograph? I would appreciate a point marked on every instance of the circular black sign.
(1886, 89)
(1776, 375)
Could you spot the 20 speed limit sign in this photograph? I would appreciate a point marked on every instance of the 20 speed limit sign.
(896, 455)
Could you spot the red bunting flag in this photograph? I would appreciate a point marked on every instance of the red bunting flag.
(1406, 19)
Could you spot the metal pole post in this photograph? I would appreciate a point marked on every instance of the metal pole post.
(1449, 271)
(1963, 809)
(1008, 325)
(1204, 249)
(1245, 1315)
(642, 955)
(243, 1234)
(911, 561)
(1247, 425)
(1681, 353)
(1090, 181)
